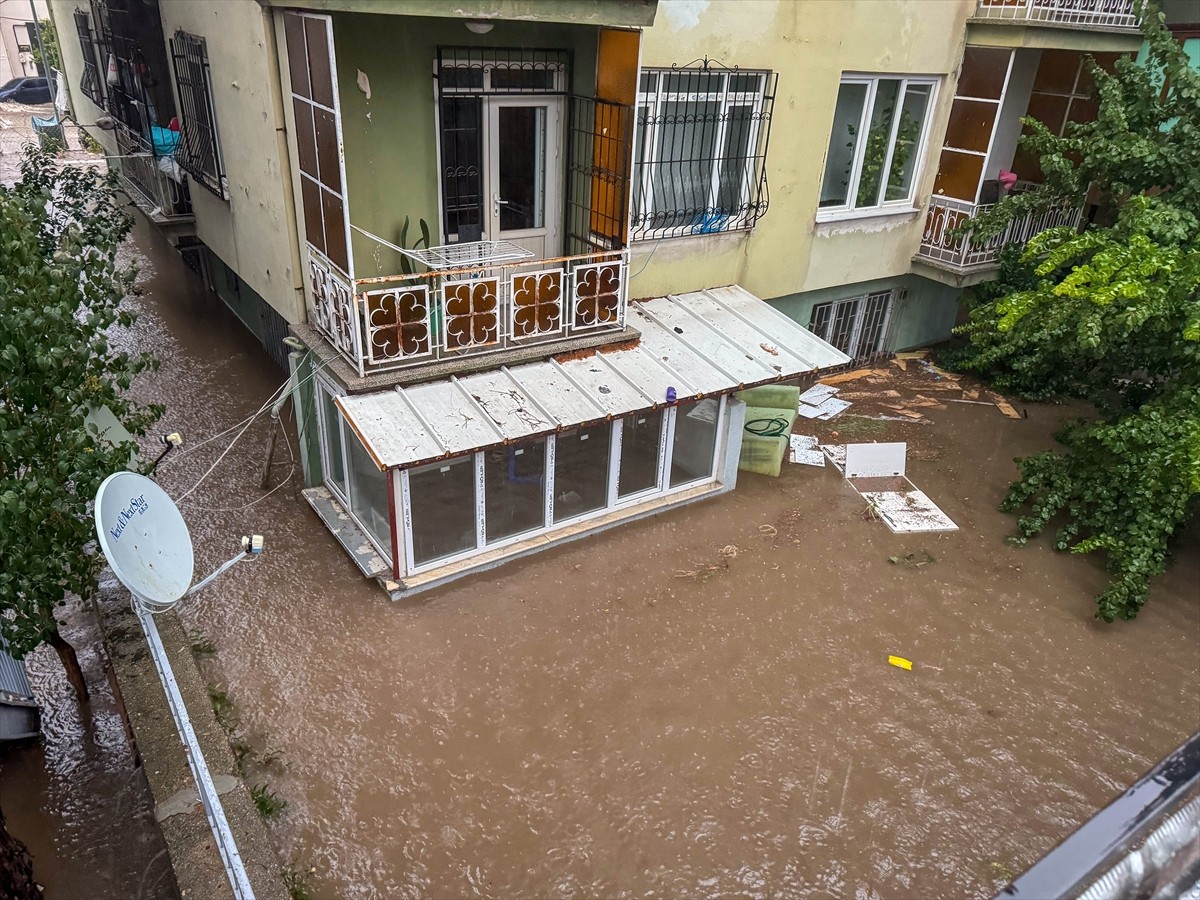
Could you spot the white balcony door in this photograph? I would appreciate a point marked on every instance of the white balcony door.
(523, 186)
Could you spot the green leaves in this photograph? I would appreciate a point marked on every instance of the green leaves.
(1112, 316)
(61, 290)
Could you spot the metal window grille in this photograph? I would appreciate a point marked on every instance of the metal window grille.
(701, 149)
(90, 82)
(199, 152)
(132, 41)
(599, 158)
(861, 327)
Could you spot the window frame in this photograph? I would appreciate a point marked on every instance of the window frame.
(649, 118)
(858, 303)
(661, 489)
(91, 83)
(850, 208)
(199, 151)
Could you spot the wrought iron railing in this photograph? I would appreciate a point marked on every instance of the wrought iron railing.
(1084, 13)
(392, 322)
(148, 185)
(947, 214)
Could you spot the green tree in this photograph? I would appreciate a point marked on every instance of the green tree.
(50, 41)
(1111, 315)
(62, 293)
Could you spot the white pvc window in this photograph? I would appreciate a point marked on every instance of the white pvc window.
(454, 509)
(880, 127)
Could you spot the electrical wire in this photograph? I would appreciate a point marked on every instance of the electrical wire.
(648, 258)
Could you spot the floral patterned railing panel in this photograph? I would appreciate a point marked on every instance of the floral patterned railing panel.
(413, 319)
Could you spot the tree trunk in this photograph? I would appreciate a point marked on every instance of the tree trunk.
(70, 661)
(16, 868)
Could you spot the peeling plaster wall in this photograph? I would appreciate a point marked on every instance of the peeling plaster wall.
(810, 45)
(253, 231)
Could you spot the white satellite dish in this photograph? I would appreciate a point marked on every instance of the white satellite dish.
(144, 538)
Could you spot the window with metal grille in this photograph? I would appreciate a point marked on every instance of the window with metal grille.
(700, 151)
(858, 326)
(199, 151)
(90, 82)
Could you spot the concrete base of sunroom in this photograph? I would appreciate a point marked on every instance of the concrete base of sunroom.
(355, 542)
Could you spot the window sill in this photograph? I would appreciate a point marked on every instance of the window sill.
(855, 215)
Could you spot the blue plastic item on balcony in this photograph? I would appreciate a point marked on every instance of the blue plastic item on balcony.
(164, 140)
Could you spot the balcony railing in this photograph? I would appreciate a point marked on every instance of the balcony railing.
(393, 322)
(1077, 13)
(964, 255)
(146, 179)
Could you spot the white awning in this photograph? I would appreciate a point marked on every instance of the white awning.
(703, 343)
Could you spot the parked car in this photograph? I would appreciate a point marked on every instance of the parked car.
(26, 90)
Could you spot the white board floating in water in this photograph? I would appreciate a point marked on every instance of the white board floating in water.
(836, 454)
(909, 511)
(875, 460)
(804, 450)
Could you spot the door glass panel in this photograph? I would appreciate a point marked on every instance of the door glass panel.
(442, 497)
(695, 440)
(640, 439)
(332, 419)
(522, 157)
(514, 480)
(580, 471)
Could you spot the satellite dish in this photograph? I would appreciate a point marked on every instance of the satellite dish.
(144, 539)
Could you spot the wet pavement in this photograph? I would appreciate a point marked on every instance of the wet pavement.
(593, 721)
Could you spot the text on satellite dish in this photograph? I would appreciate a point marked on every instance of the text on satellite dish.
(137, 507)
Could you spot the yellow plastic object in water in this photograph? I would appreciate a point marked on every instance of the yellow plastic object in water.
(900, 662)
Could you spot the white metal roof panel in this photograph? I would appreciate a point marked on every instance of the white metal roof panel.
(801, 342)
(389, 428)
(515, 413)
(455, 421)
(700, 375)
(708, 342)
(567, 402)
(605, 385)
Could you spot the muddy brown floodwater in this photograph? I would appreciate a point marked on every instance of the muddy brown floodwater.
(590, 722)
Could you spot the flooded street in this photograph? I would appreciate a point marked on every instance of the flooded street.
(589, 722)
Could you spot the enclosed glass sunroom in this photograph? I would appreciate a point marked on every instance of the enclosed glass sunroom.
(458, 474)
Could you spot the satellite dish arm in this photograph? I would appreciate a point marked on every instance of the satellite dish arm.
(252, 547)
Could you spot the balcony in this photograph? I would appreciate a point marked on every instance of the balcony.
(149, 179)
(393, 322)
(1100, 14)
(962, 255)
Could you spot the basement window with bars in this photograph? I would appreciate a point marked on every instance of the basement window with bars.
(90, 82)
(199, 150)
(858, 326)
(700, 150)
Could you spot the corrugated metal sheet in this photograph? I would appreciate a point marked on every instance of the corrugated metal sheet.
(12, 676)
(703, 343)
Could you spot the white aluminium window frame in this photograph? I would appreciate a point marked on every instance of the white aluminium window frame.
(647, 141)
(343, 497)
(871, 82)
(661, 488)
